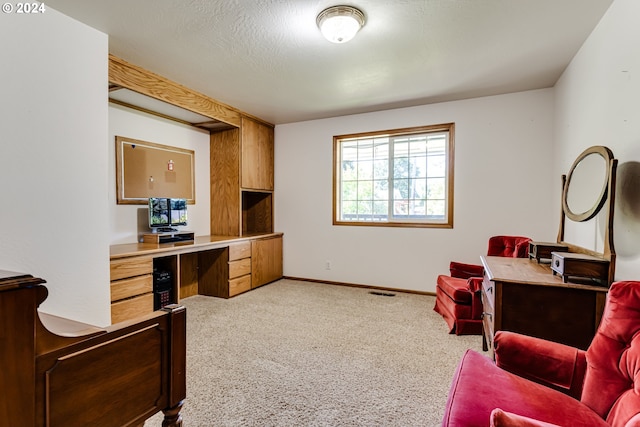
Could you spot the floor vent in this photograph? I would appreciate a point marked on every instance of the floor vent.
(382, 294)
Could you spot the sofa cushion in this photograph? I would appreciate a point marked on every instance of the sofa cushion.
(457, 289)
(509, 246)
(479, 387)
(464, 271)
(612, 381)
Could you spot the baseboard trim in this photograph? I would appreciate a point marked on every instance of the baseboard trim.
(355, 285)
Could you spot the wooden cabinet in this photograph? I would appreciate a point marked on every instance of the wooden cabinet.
(225, 183)
(521, 295)
(267, 260)
(239, 268)
(242, 179)
(225, 272)
(257, 155)
(131, 288)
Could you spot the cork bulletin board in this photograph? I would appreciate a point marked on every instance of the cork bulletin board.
(145, 169)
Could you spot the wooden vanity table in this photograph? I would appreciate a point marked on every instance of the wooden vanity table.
(562, 301)
(521, 295)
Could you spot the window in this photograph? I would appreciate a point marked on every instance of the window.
(401, 178)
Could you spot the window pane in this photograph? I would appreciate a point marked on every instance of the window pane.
(400, 207)
(418, 188)
(381, 210)
(401, 167)
(418, 167)
(435, 188)
(349, 170)
(365, 149)
(435, 208)
(350, 190)
(381, 148)
(365, 190)
(381, 190)
(436, 166)
(381, 169)
(350, 151)
(365, 169)
(365, 209)
(401, 189)
(400, 147)
(395, 178)
(417, 208)
(437, 145)
(349, 211)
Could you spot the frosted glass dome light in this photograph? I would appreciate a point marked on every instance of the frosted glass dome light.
(339, 24)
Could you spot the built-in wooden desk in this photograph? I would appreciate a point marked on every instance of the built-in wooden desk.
(523, 296)
(219, 266)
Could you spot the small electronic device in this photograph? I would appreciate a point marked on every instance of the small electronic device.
(166, 213)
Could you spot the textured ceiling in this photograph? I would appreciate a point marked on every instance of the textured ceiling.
(268, 58)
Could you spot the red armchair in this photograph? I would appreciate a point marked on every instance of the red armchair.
(534, 382)
(458, 297)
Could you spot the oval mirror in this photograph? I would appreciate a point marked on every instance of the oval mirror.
(585, 190)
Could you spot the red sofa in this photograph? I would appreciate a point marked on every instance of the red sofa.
(458, 298)
(534, 382)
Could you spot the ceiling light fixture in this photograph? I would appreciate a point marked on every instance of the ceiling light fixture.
(339, 24)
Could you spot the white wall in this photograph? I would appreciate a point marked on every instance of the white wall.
(598, 103)
(53, 160)
(503, 147)
(128, 222)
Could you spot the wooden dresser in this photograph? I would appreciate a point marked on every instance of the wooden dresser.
(522, 295)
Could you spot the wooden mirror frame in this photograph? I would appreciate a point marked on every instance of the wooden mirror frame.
(605, 201)
(589, 213)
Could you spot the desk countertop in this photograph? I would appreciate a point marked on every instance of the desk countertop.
(198, 244)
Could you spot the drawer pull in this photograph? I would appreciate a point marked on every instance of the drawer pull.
(486, 314)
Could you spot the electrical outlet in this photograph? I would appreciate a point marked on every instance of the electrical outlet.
(327, 265)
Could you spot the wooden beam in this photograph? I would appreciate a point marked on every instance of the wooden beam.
(145, 82)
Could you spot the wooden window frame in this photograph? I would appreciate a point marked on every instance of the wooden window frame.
(448, 128)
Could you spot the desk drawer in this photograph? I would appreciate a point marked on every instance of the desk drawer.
(239, 268)
(488, 292)
(239, 250)
(487, 320)
(130, 267)
(131, 308)
(127, 288)
(239, 285)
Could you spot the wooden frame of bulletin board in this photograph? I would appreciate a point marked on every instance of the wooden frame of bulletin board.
(145, 169)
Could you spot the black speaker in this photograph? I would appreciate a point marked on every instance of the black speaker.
(162, 285)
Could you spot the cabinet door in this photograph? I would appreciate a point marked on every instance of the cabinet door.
(225, 183)
(257, 155)
(266, 260)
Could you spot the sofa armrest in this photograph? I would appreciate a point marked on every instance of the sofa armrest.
(474, 284)
(465, 271)
(500, 418)
(554, 365)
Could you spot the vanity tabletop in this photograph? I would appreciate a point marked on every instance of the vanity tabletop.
(524, 270)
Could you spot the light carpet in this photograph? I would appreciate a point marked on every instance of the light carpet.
(296, 353)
